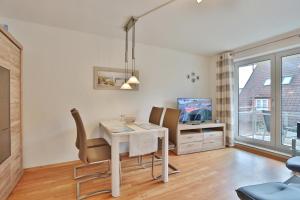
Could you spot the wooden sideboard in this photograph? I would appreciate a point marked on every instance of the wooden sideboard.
(197, 138)
(11, 169)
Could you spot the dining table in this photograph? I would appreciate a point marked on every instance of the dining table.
(116, 132)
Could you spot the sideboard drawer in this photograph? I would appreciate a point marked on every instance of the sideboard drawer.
(193, 137)
(213, 135)
(209, 145)
(190, 147)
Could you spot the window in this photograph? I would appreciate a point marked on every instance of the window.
(254, 111)
(286, 80)
(267, 82)
(261, 104)
(290, 98)
(268, 116)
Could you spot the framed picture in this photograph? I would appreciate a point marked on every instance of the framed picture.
(106, 78)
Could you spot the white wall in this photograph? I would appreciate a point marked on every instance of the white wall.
(58, 75)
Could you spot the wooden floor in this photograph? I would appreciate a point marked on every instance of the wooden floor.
(210, 175)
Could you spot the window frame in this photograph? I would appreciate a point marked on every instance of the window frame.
(238, 138)
(275, 101)
(279, 56)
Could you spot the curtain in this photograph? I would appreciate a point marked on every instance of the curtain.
(225, 95)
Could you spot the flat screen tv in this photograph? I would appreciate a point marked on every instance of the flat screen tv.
(194, 109)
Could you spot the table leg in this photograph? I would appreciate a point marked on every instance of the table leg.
(165, 157)
(115, 166)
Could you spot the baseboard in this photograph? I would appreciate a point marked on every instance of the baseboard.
(12, 187)
(124, 156)
(262, 152)
(74, 162)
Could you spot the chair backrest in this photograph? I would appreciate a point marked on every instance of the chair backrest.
(170, 121)
(81, 136)
(79, 125)
(155, 115)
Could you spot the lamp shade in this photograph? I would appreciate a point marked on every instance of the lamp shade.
(126, 86)
(133, 80)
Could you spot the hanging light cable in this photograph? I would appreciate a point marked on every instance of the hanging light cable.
(125, 85)
(131, 24)
(133, 79)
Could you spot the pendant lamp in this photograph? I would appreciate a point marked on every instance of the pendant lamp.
(126, 85)
(133, 79)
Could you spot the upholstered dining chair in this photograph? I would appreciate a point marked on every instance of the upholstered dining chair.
(90, 143)
(155, 115)
(80, 127)
(170, 121)
(91, 156)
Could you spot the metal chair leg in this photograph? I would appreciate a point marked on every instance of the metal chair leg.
(139, 160)
(120, 170)
(90, 194)
(153, 157)
(145, 165)
(75, 176)
(174, 169)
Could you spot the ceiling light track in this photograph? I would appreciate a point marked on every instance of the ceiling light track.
(133, 20)
(156, 8)
(131, 25)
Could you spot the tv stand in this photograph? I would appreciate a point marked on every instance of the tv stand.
(194, 122)
(199, 137)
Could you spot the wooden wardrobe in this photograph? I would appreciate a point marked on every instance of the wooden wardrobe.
(11, 168)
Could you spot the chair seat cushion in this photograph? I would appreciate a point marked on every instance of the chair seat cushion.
(294, 164)
(95, 142)
(269, 191)
(100, 153)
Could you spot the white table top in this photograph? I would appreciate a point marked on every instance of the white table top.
(117, 127)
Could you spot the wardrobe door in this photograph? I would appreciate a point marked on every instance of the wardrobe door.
(5, 143)
(10, 119)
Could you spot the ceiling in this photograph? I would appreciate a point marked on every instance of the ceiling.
(207, 28)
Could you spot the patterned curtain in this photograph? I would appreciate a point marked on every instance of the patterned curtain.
(225, 95)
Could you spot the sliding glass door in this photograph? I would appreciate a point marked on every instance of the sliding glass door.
(268, 99)
(254, 97)
(289, 95)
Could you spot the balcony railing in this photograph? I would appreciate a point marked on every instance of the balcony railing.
(257, 125)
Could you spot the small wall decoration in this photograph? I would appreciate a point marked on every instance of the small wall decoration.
(193, 77)
(106, 78)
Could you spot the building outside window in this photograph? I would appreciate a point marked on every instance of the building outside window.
(262, 104)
